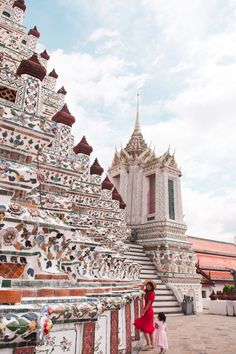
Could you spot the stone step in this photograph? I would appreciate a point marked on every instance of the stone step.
(139, 258)
(167, 303)
(134, 253)
(154, 277)
(164, 297)
(162, 291)
(148, 267)
(135, 245)
(142, 262)
(165, 300)
(147, 276)
(166, 309)
(149, 271)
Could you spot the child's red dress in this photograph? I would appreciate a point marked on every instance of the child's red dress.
(145, 323)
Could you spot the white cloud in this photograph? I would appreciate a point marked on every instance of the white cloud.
(210, 215)
(97, 91)
(95, 80)
(101, 33)
(181, 54)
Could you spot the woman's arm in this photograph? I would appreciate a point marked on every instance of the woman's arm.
(147, 306)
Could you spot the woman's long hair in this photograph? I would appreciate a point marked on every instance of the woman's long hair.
(148, 291)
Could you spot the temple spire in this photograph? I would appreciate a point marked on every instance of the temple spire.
(137, 122)
(136, 145)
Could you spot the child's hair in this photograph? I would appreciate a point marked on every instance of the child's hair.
(162, 317)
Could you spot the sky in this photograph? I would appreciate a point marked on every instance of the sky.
(180, 55)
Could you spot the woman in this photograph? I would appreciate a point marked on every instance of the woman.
(145, 323)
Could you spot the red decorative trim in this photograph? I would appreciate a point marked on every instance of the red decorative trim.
(24, 350)
(32, 67)
(136, 315)
(53, 74)
(20, 4)
(122, 204)
(62, 91)
(83, 147)
(114, 333)
(96, 169)
(117, 196)
(128, 328)
(106, 184)
(34, 32)
(88, 338)
(64, 117)
(45, 55)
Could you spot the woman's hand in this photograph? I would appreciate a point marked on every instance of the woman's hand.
(156, 326)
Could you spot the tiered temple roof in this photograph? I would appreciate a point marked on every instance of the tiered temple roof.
(137, 151)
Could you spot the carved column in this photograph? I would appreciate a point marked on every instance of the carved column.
(88, 338)
(128, 328)
(114, 332)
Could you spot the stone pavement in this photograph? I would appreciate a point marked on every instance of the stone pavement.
(200, 334)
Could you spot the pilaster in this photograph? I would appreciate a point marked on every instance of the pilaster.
(32, 43)
(88, 338)
(128, 328)
(136, 315)
(114, 332)
(31, 100)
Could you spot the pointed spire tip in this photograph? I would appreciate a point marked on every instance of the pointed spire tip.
(137, 122)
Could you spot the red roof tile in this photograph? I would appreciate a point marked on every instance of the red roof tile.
(212, 246)
(216, 262)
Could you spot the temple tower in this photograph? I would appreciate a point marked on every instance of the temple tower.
(150, 186)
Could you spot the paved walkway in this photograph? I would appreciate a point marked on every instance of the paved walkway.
(200, 334)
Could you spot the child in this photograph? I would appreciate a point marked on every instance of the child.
(161, 337)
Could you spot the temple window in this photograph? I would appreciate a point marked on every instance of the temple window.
(6, 14)
(171, 198)
(7, 94)
(23, 41)
(204, 294)
(151, 195)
